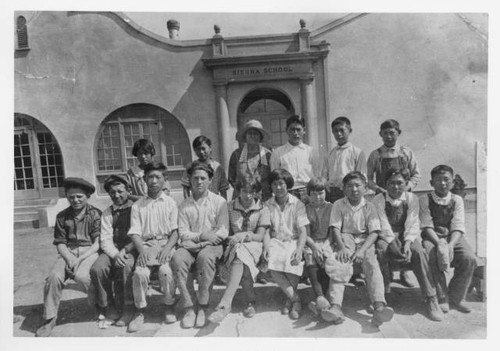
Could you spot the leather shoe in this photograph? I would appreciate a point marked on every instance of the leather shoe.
(460, 307)
(405, 279)
(170, 314)
(188, 319)
(201, 318)
(46, 328)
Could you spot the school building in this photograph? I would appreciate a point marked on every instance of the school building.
(88, 84)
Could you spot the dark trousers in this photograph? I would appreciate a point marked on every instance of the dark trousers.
(319, 279)
(419, 264)
(104, 274)
(205, 261)
(464, 263)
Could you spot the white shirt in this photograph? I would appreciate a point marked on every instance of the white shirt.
(412, 223)
(298, 160)
(285, 224)
(208, 213)
(341, 160)
(153, 218)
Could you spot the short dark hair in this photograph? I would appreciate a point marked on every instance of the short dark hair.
(394, 172)
(199, 140)
(200, 166)
(316, 184)
(440, 170)
(143, 144)
(354, 175)
(390, 123)
(295, 119)
(341, 120)
(155, 166)
(247, 181)
(279, 174)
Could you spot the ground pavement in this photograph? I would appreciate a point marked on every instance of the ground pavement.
(34, 255)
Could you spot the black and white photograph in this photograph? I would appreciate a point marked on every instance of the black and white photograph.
(248, 173)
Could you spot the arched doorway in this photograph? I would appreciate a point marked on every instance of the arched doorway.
(120, 130)
(38, 162)
(272, 108)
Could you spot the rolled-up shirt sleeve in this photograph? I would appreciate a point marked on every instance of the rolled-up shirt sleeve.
(106, 239)
(173, 217)
(185, 232)
(412, 223)
(135, 222)
(425, 214)
(458, 220)
(386, 232)
(301, 215)
(60, 231)
(336, 216)
(372, 220)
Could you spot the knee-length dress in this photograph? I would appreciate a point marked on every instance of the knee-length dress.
(284, 234)
(246, 220)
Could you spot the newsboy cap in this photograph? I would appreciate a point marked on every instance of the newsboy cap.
(74, 182)
(115, 178)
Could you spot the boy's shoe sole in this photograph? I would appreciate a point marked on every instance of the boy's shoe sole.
(383, 314)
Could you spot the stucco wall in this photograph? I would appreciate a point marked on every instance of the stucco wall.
(81, 67)
(428, 71)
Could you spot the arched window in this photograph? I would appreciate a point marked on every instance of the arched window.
(22, 33)
(272, 108)
(126, 125)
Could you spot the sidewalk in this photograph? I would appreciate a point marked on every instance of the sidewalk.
(34, 255)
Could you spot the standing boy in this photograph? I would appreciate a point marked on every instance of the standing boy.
(153, 230)
(203, 225)
(342, 159)
(391, 155)
(442, 220)
(76, 235)
(295, 156)
(115, 264)
(356, 227)
(399, 243)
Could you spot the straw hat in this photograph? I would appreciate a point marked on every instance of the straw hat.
(252, 124)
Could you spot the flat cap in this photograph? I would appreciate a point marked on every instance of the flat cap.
(78, 183)
(115, 178)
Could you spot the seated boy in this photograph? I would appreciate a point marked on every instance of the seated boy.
(392, 155)
(203, 225)
(318, 242)
(342, 159)
(442, 220)
(115, 264)
(153, 230)
(399, 243)
(76, 235)
(356, 227)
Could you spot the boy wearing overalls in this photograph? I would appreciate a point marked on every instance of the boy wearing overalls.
(442, 220)
(399, 241)
(391, 155)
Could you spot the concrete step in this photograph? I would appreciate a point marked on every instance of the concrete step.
(26, 224)
(25, 216)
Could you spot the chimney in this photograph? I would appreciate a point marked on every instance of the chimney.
(173, 29)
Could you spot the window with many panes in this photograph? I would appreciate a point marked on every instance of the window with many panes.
(141, 121)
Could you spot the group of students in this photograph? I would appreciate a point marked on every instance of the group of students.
(286, 218)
